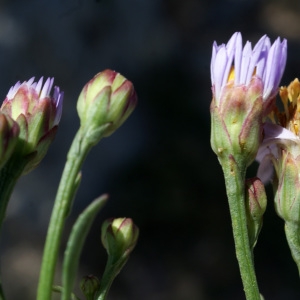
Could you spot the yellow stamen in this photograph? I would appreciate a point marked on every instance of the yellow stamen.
(231, 74)
(290, 98)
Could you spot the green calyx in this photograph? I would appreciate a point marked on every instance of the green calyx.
(236, 121)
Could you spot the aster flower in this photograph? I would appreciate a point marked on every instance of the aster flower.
(231, 63)
(244, 84)
(37, 113)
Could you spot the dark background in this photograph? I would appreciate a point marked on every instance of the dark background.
(158, 168)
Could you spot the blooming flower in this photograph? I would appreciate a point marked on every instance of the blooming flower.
(37, 114)
(231, 63)
(244, 84)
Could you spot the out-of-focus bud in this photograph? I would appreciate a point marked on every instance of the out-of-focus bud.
(256, 203)
(9, 131)
(119, 237)
(89, 285)
(105, 102)
(37, 114)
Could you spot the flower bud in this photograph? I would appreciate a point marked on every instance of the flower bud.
(9, 131)
(119, 237)
(37, 114)
(89, 285)
(256, 203)
(105, 102)
(287, 195)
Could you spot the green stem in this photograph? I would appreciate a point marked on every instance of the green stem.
(9, 176)
(112, 269)
(66, 191)
(292, 232)
(235, 188)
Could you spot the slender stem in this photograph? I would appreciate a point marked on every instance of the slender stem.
(235, 182)
(63, 202)
(292, 232)
(112, 269)
(9, 176)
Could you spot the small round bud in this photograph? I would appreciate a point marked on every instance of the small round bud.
(89, 285)
(256, 203)
(119, 237)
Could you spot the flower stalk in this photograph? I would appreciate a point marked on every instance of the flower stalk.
(104, 104)
(244, 83)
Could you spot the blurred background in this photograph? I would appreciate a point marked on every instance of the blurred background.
(158, 167)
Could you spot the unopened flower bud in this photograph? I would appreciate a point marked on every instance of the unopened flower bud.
(119, 237)
(287, 196)
(256, 203)
(9, 131)
(37, 114)
(105, 102)
(89, 285)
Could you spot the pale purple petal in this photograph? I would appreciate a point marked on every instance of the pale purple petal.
(46, 88)
(58, 100)
(29, 82)
(273, 132)
(238, 59)
(265, 170)
(39, 85)
(266, 61)
(246, 57)
(219, 68)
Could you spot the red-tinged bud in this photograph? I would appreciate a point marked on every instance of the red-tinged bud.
(119, 237)
(236, 121)
(9, 132)
(104, 104)
(89, 286)
(37, 114)
(256, 204)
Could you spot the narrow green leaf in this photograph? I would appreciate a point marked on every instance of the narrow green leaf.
(76, 242)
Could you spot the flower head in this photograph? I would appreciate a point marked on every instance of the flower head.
(244, 84)
(37, 113)
(235, 65)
